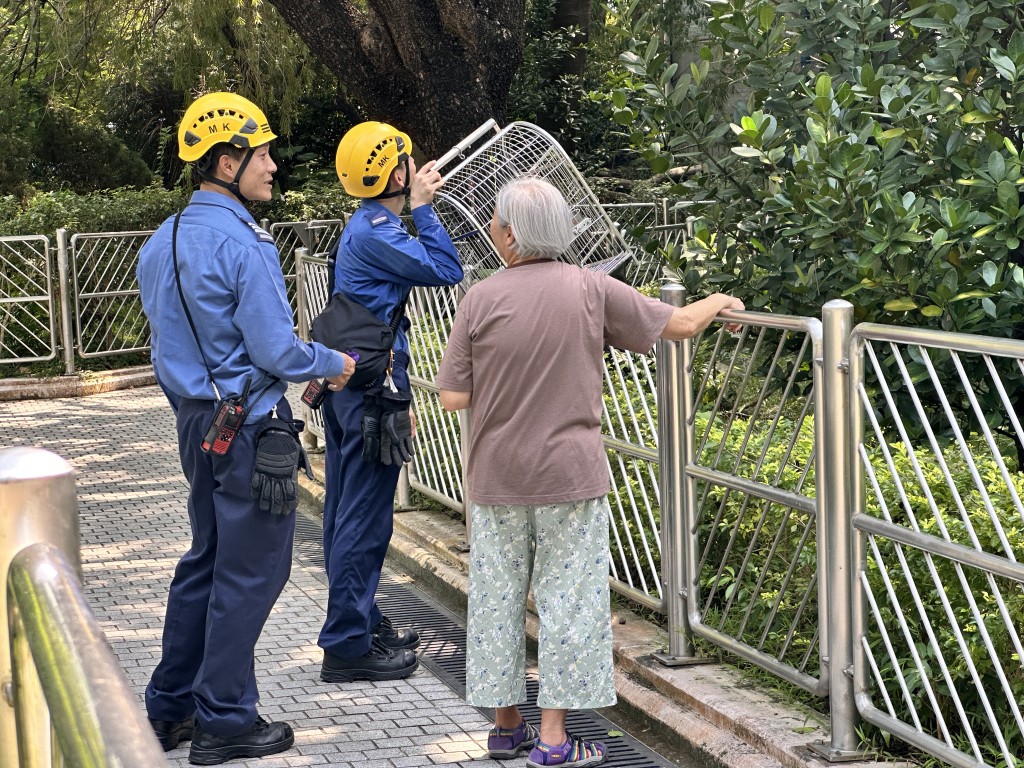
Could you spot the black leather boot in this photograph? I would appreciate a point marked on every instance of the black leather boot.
(379, 663)
(170, 733)
(261, 740)
(396, 639)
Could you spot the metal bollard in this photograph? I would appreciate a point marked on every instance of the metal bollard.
(67, 334)
(37, 504)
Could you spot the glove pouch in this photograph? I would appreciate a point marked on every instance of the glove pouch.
(390, 401)
(275, 468)
(370, 427)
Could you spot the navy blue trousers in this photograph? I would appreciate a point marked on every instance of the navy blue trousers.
(358, 522)
(225, 585)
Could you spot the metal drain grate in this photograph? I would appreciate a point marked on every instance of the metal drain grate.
(443, 651)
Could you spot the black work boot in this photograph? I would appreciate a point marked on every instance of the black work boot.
(396, 639)
(378, 663)
(259, 741)
(170, 733)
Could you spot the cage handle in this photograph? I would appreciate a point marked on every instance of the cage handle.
(463, 145)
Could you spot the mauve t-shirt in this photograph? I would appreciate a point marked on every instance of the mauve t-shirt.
(528, 342)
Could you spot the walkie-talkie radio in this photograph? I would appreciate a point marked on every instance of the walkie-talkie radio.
(228, 419)
(316, 391)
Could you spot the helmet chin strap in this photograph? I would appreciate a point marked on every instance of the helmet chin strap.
(398, 192)
(232, 186)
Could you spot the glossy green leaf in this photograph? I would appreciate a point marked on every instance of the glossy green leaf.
(900, 305)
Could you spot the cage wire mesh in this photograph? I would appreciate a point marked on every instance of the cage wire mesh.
(466, 201)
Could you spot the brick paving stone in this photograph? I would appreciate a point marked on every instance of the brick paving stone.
(134, 527)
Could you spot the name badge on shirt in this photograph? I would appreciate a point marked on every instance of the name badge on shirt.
(378, 219)
(262, 234)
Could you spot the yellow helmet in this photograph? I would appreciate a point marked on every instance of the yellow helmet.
(218, 118)
(367, 154)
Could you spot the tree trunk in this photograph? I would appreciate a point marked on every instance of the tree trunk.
(436, 69)
(574, 13)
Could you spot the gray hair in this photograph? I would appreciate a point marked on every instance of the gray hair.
(539, 215)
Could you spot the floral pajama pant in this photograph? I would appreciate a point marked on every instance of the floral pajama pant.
(565, 548)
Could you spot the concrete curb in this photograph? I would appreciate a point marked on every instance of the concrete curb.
(75, 385)
(709, 710)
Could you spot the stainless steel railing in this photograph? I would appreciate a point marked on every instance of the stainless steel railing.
(65, 700)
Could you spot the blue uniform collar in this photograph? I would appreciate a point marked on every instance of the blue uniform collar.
(375, 208)
(221, 201)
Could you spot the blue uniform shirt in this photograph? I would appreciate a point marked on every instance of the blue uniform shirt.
(379, 261)
(231, 277)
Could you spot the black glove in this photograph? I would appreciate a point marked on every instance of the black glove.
(370, 427)
(276, 468)
(396, 445)
(395, 427)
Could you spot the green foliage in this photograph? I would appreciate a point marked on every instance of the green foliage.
(573, 107)
(119, 210)
(79, 154)
(974, 598)
(321, 197)
(124, 210)
(870, 153)
(87, 85)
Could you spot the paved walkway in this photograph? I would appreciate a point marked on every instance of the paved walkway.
(134, 524)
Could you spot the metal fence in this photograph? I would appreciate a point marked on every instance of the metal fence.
(105, 293)
(750, 504)
(289, 236)
(939, 594)
(90, 307)
(28, 330)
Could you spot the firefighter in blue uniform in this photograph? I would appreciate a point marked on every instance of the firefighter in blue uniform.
(223, 345)
(369, 432)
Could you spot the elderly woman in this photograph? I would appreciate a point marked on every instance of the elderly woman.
(526, 352)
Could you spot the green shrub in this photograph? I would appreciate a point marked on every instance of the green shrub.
(842, 149)
(976, 601)
(119, 210)
(320, 197)
(125, 210)
(77, 153)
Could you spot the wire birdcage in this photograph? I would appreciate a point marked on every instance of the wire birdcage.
(466, 201)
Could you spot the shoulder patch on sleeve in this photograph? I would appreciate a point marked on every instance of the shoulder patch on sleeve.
(378, 219)
(262, 234)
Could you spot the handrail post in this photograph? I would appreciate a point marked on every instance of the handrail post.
(301, 254)
(95, 713)
(672, 457)
(835, 515)
(64, 279)
(301, 301)
(37, 504)
(403, 491)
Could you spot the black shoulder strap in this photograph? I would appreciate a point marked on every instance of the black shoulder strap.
(192, 325)
(184, 304)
